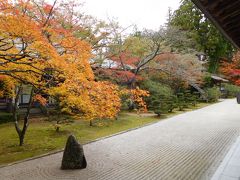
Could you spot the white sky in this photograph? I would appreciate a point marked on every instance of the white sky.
(148, 14)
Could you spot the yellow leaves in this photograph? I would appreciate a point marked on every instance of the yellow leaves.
(106, 100)
(91, 99)
(75, 66)
(19, 27)
(42, 49)
(137, 97)
(1, 93)
(123, 92)
(25, 51)
(33, 47)
(40, 99)
(6, 87)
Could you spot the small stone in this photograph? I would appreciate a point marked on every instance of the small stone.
(73, 156)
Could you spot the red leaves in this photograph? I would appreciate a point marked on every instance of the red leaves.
(126, 59)
(47, 8)
(123, 76)
(232, 69)
(235, 72)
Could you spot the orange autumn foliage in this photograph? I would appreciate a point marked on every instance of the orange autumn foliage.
(36, 48)
(137, 97)
(6, 87)
(40, 99)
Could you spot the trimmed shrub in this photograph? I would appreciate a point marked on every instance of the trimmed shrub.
(156, 88)
(181, 101)
(186, 99)
(195, 98)
(213, 94)
(161, 99)
(191, 98)
(162, 105)
(230, 90)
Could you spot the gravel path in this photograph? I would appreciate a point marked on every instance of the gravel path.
(189, 146)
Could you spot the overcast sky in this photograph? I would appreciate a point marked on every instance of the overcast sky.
(148, 14)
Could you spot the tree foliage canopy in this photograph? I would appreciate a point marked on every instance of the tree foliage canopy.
(38, 46)
(206, 36)
(232, 69)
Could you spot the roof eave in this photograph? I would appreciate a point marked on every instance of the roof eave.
(211, 18)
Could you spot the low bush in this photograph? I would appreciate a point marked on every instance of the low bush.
(207, 80)
(186, 99)
(162, 105)
(213, 94)
(230, 90)
(161, 99)
(181, 101)
(5, 117)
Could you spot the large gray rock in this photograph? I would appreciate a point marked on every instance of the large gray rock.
(73, 156)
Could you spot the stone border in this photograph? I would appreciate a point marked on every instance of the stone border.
(101, 138)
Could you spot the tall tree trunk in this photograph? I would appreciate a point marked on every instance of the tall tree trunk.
(15, 106)
(90, 123)
(22, 132)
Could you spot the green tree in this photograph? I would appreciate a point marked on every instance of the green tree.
(206, 36)
(161, 99)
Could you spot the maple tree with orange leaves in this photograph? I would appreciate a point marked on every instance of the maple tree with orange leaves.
(38, 48)
(137, 96)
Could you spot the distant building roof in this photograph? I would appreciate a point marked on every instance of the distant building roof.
(111, 64)
(225, 14)
(219, 78)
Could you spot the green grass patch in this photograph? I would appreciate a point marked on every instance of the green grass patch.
(41, 136)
